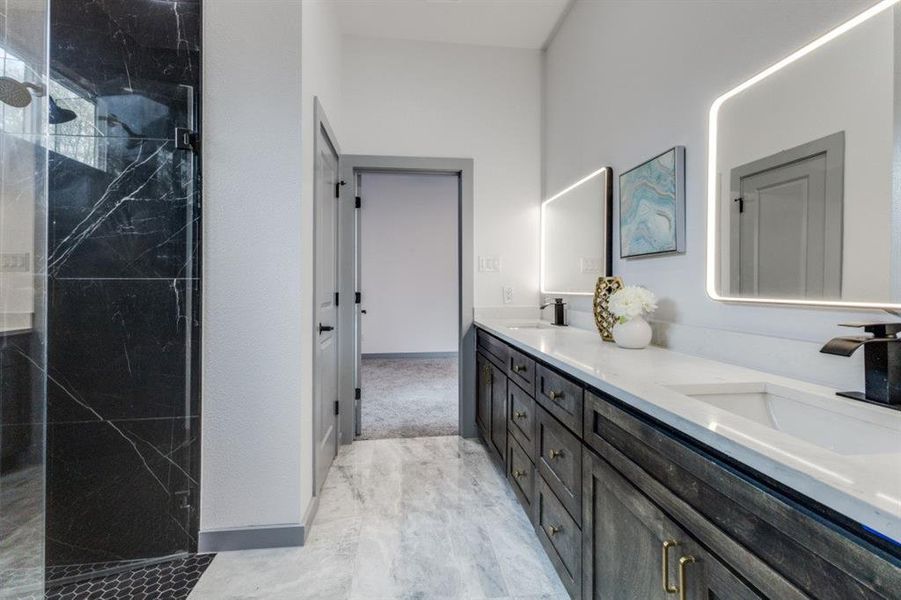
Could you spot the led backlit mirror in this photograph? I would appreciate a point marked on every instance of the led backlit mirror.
(803, 201)
(576, 235)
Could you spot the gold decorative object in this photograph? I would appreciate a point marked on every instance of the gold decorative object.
(603, 318)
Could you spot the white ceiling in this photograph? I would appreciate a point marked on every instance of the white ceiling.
(506, 23)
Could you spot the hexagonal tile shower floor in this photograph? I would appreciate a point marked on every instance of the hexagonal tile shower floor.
(172, 580)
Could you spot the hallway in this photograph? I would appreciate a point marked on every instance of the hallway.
(401, 518)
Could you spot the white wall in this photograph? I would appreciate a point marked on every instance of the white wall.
(409, 263)
(626, 80)
(251, 418)
(445, 100)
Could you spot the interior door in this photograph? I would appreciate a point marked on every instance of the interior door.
(782, 214)
(326, 240)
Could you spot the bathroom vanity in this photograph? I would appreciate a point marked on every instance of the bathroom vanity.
(653, 474)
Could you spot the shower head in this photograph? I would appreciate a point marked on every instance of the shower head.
(58, 115)
(18, 94)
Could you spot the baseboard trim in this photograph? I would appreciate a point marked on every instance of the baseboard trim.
(411, 355)
(250, 538)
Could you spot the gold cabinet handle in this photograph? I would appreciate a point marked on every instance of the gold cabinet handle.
(683, 588)
(555, 453)
(519, 415)
(552, 530)
(666, 586)
(519, 368)
(519, 474)
(555, 395)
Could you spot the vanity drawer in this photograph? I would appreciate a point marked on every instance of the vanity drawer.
(561, 397)
(560, 536)
(559, 455)
(521, 474)
(493, 347)
(521, 369)
(521, 419)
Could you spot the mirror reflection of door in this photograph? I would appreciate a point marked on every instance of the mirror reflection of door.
(786, 222)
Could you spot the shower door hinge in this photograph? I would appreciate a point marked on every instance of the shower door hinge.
(338, 185)
(358, 297)
(336, 408)
(358, 393)
(336, 298)
(186, 139)
(184, 499)
(358, 202)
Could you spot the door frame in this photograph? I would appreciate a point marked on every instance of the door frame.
(833, 148)
(321, 123)
(351, 167)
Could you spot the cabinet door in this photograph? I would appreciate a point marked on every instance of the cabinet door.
(632, 551)
(483, 395)
(498, 427)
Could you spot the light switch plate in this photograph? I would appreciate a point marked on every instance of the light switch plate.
(489, 264)
(508, 294)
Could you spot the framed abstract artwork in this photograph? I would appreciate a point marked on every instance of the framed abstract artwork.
(652, 206)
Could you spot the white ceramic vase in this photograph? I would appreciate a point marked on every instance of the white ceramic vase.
(634, 333)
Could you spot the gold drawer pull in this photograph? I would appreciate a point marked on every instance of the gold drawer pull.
(666, 586)
(555, 395)
(555, 453)
(519, 368)
(519, 474)
(552, 531)
(519, 415)
(683, 588)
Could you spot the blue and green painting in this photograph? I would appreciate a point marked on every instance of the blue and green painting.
(647, 207)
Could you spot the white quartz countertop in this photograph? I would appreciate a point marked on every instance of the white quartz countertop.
(864, 486)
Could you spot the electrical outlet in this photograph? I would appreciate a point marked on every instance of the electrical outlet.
(508, 294)
(590, 264)
(489, 264)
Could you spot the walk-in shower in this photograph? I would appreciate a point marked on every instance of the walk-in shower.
(99, 287)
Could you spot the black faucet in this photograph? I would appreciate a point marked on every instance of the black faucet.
(559, 311)
(882, 361)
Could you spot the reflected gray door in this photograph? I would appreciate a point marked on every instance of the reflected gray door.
(326, 235)
(786, 227)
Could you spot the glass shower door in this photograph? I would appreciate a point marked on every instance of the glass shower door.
(23, 219)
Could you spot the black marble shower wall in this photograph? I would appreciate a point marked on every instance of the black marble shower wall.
(124, 283)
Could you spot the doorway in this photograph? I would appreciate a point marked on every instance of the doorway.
(408, 268)
(419, 353)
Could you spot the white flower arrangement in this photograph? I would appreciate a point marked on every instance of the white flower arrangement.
(632, 301)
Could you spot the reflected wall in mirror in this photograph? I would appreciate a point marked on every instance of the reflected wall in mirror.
(576, 235)
(804, 201)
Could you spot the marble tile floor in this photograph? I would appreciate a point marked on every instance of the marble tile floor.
(412, 518)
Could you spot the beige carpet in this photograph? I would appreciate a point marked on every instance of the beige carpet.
(409, 397)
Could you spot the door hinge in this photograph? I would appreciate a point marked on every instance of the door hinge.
(186, 139)
(184, 499)
(358, 297)
(338, 185)
(336, 408)
(336, 298)
(741, 204)
(358, 202)
(358, 393)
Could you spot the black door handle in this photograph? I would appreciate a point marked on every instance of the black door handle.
(323, 328)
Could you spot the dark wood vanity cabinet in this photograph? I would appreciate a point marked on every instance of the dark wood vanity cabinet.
(491, 405)
(618, 500)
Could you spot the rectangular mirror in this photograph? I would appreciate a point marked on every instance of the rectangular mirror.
(576, 235)
(805, 164)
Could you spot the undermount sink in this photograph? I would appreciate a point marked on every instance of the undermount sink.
(532, 325)
(821, 420)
